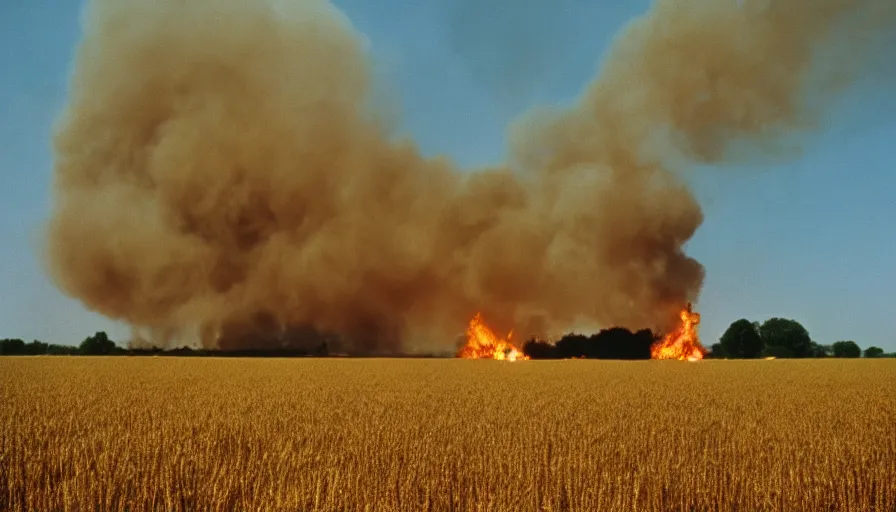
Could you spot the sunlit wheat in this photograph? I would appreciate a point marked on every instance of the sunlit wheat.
(223, 434)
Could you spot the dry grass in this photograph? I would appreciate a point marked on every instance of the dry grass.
(191, 434)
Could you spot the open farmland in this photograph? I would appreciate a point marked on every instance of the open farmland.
(303, 434)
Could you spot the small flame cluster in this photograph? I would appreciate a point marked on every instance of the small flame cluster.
(682, 343)
(482, 343)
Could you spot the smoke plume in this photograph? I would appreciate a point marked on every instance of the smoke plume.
(221, 173)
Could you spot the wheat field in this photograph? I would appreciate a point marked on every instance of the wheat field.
(176, 434)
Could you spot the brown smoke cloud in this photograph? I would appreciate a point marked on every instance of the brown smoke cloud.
(221, 173)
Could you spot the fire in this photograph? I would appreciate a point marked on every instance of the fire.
(682, 343)
(483, 344)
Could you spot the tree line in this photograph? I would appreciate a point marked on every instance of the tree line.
(776, 337)
(785, 338)
(613, 343)
(100, 345)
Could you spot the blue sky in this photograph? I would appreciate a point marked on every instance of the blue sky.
(810, 239)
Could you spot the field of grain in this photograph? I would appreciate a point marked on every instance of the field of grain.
(254, 434)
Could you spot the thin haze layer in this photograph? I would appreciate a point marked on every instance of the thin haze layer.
(220, 174)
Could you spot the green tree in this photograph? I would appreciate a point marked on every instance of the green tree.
(874, 352)
(742, 340)
(62, 350)
(717, 351)
(12, 347)
(788, 337)
(97, 345)
(36, 348)
(847, 349)
(777, 351)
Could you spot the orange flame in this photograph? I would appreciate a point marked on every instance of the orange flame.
(483, 344)
(682, 343)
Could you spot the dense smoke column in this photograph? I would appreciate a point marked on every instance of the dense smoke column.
(221, 175)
